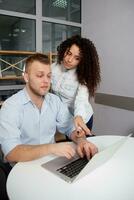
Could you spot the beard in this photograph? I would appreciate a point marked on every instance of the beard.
(36, 92)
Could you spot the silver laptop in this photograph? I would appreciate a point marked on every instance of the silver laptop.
(76, 168)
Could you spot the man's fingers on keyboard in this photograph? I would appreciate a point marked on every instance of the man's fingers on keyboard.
(69, 155)
(80, 152)
(87, 151)
(93, 150)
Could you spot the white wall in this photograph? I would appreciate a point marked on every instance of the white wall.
(109, 24)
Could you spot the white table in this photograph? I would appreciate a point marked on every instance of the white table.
(114, 180)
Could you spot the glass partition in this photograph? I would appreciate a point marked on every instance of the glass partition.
(69, 10)
(17, 33)
(54, 34)
(24, 6)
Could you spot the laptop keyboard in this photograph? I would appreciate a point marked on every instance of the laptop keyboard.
(72, 169)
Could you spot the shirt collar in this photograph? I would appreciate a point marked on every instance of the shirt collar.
(27, 99)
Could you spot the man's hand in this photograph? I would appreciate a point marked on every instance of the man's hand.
(62, 149)
(86, 148)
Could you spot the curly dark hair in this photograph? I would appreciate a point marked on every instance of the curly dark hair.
(88, 69)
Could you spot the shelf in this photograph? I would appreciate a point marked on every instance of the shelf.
(15, 65)
(9, 81)
(11, 78)
(5, 52)
(12, 87)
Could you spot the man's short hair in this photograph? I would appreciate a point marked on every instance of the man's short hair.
(40, 57)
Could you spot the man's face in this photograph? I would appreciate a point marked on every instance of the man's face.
(38, 78)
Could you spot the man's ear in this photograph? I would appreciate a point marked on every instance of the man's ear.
(25, 77)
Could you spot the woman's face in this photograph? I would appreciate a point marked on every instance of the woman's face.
(71, 57)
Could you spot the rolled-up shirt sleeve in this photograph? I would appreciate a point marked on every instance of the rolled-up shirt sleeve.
(9, 128)
(82, 106)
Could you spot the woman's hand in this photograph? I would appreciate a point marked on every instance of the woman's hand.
(81, 127)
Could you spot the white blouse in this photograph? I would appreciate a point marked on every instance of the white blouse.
(71, 92)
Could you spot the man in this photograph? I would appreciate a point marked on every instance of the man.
(29, 119)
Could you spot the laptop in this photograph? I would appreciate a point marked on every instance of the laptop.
(76, 168)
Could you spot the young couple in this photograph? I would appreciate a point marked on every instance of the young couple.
(30, 118)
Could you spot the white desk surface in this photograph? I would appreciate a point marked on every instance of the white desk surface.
(114, 180)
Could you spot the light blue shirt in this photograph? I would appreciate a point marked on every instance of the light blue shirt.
(21, 122)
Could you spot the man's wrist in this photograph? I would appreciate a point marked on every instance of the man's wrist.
(81, 140)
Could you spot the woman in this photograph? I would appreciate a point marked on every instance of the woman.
(75, 77)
